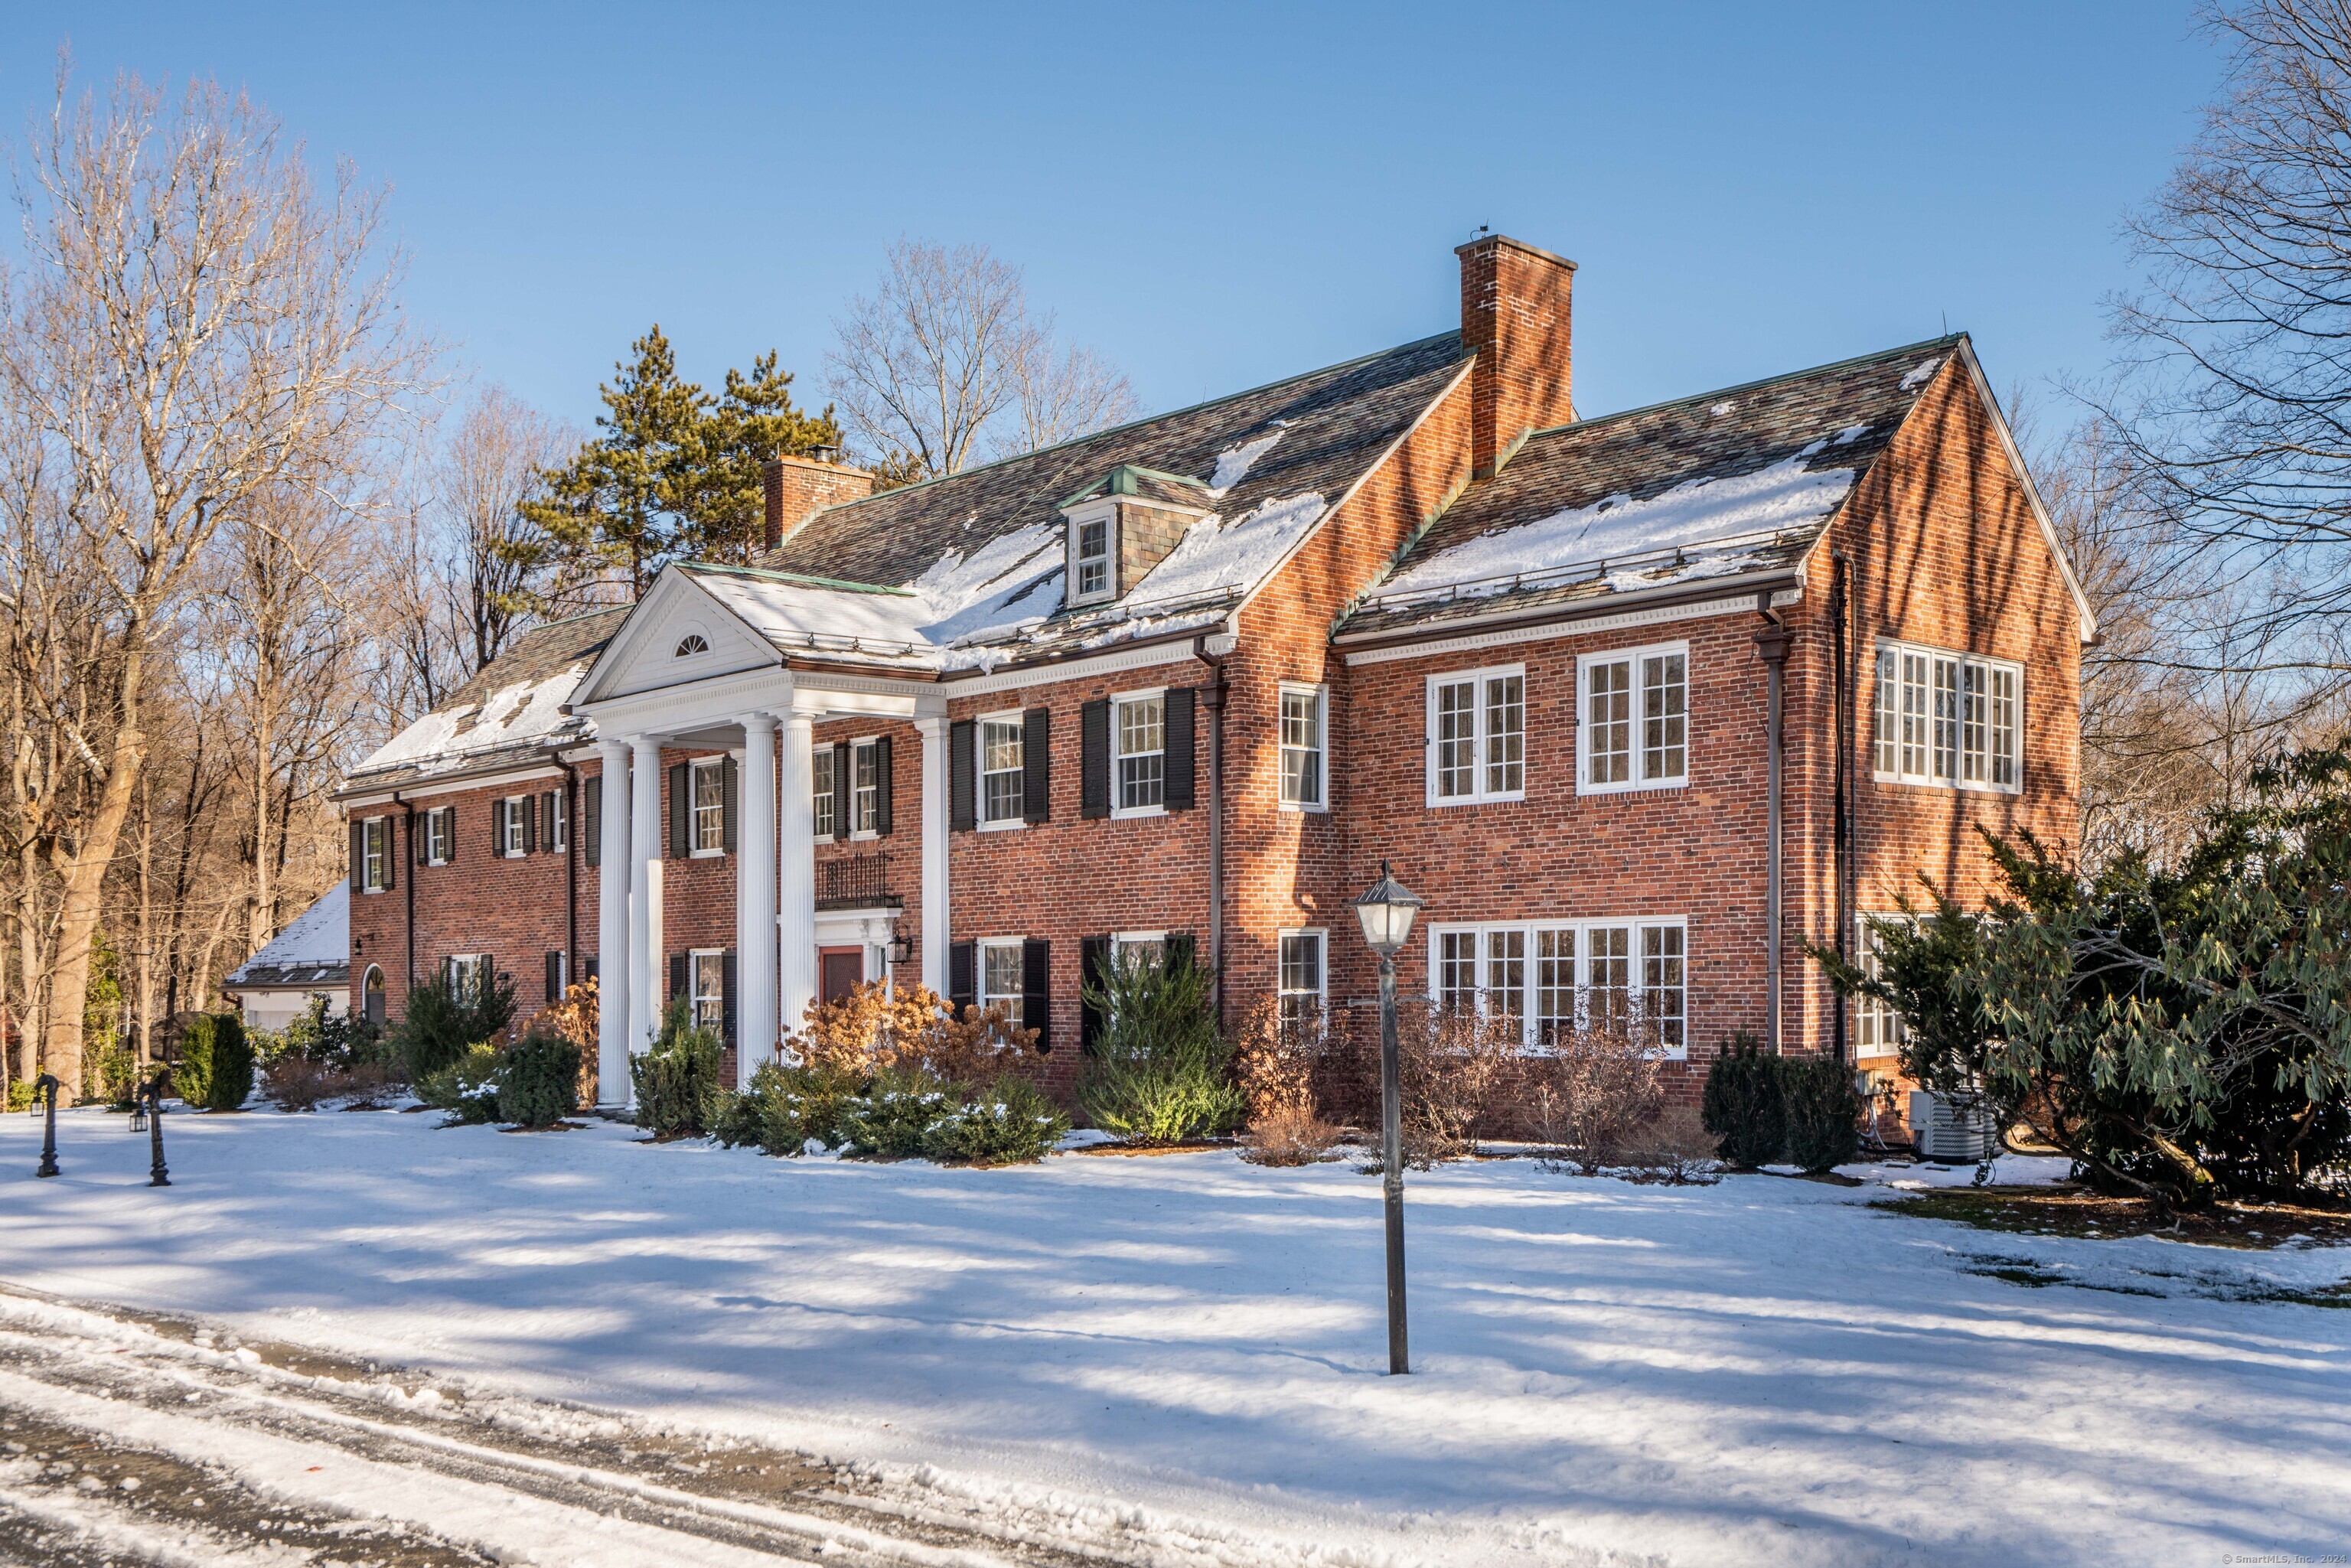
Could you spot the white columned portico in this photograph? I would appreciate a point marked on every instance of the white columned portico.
(615, 875)
(645, 977)
(934, 730)
(795, 927)
(755, 878)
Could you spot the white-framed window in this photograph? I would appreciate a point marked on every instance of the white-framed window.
(865, 788)
(510, 827)
(820, 767)
(1633, 712)
(439, 834)
(371, 995)
(1002, 771)
(375, 854)
(1477, 736)
(690, 644)
(1951, 720)
(465, 971)
(1877, 1029)
(1560, 975)
(1303, 983)
(1144, 944)
(1138, 745)
(558, 822)
(705, 970)
(1305, 716)
(999, 963)
(1093, 554)
(707, 780)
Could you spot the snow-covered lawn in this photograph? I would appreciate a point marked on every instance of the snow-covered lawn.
(1764, 1371)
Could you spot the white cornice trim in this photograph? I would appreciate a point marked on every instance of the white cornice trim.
(691, 705)
(455, 784)
(1142, 658)
(1657, 615)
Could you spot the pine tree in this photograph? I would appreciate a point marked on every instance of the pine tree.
(674, 474)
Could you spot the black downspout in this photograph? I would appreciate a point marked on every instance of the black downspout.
(408, 832)
(1214, 695)
(1771, 645)
(570, 875)
(1841, 826)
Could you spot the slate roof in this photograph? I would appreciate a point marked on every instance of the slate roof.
(313, 952)
(983, 550)
(1717, 484)
(509, 714)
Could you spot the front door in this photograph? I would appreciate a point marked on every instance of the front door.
(839, 970)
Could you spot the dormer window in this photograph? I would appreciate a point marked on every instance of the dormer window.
(690, 644)
(1091, 577)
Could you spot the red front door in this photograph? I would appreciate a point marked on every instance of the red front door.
(839, 971)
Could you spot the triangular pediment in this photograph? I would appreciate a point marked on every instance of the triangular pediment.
(676, 635)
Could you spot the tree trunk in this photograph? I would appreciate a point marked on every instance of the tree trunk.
(83, 875)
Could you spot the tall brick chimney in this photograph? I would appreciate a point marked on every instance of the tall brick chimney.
(1515, 318)
(798, 486)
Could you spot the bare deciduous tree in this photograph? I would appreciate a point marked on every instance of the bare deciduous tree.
(944, 361)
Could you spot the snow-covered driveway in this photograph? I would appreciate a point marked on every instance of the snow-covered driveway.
(1178, 1359)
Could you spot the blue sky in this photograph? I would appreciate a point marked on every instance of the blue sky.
(1215, 197)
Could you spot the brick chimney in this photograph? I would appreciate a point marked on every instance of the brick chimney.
(798, 486)
(1514, 318)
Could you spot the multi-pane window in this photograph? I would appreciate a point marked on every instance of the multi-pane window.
(375, 854)
(1877, 1028)
(558, 822)
(1636, 714)
(1139, 946)
(1301, 980)
(1477, 736)
(1000, 979)
(865, 788)
(1139, 735)
(707, 976)
(1560, 976)
(1303, 709)
(440, 835)
(708, 778)
(1000, 770)
(510, 826)
(827, 821)
(466, 972)
(1089, 550)
(1945, 718)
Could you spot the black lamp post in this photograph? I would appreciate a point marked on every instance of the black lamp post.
(1386, 911)
(151, 1093)
(47, 1083)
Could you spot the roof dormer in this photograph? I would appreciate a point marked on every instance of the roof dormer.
(1122, 525)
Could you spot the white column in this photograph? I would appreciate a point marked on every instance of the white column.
(645, 978)
(754, 905)
(796, 917)
(613, 877)
(933, 730)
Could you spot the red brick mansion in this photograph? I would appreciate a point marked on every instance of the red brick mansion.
(1639, 704)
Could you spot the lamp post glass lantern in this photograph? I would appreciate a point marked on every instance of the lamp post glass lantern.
(1387, 910)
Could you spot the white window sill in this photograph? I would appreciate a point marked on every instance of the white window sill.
(510, 854)
(372, 892)
(1128, 813)
(1303, 808)
(707, 855)
(1007, 825)
(1438, 800)
(1952, 785)
(1634, 787)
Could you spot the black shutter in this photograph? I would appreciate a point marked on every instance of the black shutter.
(550, 812)
(962, 810)
(1094, 958)
(591, 813)
(677, 980)
(1036, 764)
(882, 785)
(449, 814)
(728, 788)
(1178, 795)
(554, 977)
(391, 855)
(359, 855)
(962, 987)
(1094, 736)
(497, 828)
(681, 811)
(726, 996)
(1037, 989)
(1181, 950)
(844, 792)
(420, 836)
(589, 965)
(530, 825)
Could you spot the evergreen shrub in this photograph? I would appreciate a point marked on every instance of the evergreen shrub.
(215, 1067)
(1008, 1123)
(1823, 1112)
(443, 1019)
(786, 1106)
(1162, 1069)
(467, 1087)
(1743, 1104)
(539, 1082)
(678, 1093)
(889, 1120)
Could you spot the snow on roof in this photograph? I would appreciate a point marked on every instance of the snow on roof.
(321, 935)
(517, 702)
(1748, 507)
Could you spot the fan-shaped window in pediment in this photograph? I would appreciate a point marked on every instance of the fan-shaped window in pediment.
(690, 644)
